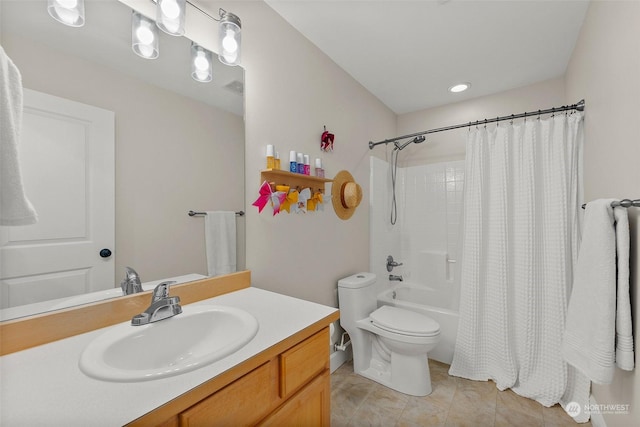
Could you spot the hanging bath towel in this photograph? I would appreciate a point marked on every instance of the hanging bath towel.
(596, 310)
(624, 332)
(15, 208)
(220, 239)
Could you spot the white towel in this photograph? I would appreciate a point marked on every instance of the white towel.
(15, 208)
(589, 336)
(220, 240)
(624, 332)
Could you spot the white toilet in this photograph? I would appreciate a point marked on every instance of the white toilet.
(390, 344)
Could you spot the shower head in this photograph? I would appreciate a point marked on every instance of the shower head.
(416, 140)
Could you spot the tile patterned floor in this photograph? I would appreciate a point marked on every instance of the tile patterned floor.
(358, 401)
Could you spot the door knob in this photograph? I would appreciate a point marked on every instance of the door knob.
(105, 253)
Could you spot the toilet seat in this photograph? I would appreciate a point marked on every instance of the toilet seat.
(404, 322)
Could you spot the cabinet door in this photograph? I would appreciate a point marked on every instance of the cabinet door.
(303, 361)
(241, 403)
(310, 407)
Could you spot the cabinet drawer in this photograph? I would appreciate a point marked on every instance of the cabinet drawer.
(241, 403)
(301, 363)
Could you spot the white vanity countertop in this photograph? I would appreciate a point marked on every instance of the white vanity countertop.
(44, 386)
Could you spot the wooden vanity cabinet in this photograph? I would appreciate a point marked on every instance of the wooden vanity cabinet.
(291, 388)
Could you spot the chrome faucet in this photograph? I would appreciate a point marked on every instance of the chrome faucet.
(393, 277)
(391, 263)
(162, 306)
(131, 283)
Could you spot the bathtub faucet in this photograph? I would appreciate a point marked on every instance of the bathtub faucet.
(393, 277)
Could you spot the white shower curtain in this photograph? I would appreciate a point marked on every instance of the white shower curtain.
(522, 200)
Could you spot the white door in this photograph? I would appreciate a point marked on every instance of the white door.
(67, 160)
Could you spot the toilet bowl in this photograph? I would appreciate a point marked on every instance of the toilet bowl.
(390, 344)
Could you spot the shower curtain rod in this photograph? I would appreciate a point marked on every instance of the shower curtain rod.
(579, 106)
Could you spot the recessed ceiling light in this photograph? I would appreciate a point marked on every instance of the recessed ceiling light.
(460, 87)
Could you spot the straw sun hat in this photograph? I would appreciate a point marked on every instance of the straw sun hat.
(346, 195)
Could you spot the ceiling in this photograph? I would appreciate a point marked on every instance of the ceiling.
(409, 52)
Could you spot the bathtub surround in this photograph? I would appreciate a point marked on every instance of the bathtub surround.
(425, 239)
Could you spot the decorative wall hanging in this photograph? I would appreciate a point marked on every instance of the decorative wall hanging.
(346, 195)
(267, 195)
(326, 140)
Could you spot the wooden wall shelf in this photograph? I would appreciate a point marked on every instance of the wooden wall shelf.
(294, 180)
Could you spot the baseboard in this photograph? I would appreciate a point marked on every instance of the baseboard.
(338, 358)
(597, 420)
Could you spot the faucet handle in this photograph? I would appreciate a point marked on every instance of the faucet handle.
(391, 263)
(161, 291)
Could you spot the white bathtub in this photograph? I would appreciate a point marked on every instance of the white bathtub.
(427, 301)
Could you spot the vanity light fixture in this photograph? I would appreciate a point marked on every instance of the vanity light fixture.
(460, 87)
(170, 15)
(68, 12)
(201, 66)
(144, 36)
(229, 38)
(170, 18)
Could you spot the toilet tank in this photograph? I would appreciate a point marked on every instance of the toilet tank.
(356, 281)
(356, 298)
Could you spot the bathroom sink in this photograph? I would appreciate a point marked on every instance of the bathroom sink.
(198, 336)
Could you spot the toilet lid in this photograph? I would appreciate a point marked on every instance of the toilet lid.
(405, 322)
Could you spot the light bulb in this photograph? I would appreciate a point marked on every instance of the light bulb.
(230, 58)
(68, 16)
(144, 34)
(201, 62)
(202, 75)
(459, 87)
(229, 42)
(67, 4)
(170, 9)
(145, 50)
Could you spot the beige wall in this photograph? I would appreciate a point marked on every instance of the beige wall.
(292, 90)
(173, 154)
(604, 69)
(450, 145)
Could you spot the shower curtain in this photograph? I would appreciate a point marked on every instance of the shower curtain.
(521, 228)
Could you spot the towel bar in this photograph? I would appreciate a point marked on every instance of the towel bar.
(625, 203)
(194, 213)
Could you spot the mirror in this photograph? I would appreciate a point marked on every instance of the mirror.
(178, 143)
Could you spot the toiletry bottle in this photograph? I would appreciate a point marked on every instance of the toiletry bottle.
(300, 160)
(319, 170)
(276, 160)
(293, 164)
(307, 165)
(270, 159)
